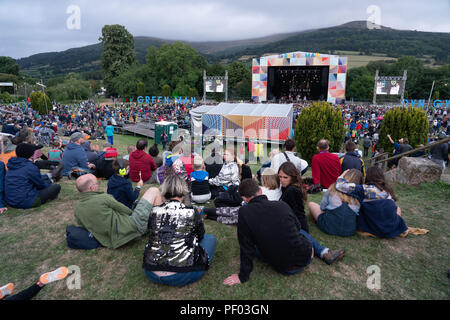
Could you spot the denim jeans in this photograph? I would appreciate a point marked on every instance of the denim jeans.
(184, 278)
(111, 139)
(316, 246)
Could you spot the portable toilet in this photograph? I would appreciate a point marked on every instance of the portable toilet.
(169, 127)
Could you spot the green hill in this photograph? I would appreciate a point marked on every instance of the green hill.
(352, 36)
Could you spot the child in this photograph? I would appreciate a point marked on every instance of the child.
(200, 184)
(337, 212)
(120, 188)
(270, 184)
(55, 154)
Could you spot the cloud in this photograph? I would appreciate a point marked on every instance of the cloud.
(30, 27)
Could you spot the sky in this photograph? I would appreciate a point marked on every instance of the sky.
(29, 27)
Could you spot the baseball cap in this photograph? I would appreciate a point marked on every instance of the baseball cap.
(111, 152)
(77, 136)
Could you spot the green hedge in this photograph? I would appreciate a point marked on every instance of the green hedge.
(319, 121)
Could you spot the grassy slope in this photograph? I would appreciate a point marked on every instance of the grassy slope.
(415, 267)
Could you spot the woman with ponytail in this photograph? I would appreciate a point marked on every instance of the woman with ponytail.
(379, 215)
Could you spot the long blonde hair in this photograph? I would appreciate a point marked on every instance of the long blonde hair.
(352, 176)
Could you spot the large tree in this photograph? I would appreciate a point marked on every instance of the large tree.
(178, 65)
(9, 65)
(118, 54)
(239, 80)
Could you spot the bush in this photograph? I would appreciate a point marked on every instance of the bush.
(38, 103)
(5, 97)
(320, 121)
(410, 122)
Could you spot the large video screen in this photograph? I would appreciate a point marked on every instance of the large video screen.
(215, 85)
(297, 83)
(390, 87)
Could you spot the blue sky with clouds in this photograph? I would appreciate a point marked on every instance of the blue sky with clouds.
(30, 27)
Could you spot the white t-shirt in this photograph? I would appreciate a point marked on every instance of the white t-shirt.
(280, 158)
(272, 195)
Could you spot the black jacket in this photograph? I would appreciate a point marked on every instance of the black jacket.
(122, 190)
(351, 160)
(293, 196)
(272, 227)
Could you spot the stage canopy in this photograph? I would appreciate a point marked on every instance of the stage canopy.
(269, 122)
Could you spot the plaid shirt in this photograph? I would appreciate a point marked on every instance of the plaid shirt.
(363, 192)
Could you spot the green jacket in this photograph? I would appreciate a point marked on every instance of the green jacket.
(107, 219)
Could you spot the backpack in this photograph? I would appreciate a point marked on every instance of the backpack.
(311, 187)
(80, 238)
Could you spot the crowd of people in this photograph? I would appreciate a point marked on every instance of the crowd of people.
(268, 207)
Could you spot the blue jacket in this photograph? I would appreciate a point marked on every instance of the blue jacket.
(351, 160)
(24, 181)
(122, 190)
(2, 184)
(74, 156)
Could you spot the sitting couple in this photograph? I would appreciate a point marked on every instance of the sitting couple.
(178, 251)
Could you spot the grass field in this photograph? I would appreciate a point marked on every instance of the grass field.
(32, 242)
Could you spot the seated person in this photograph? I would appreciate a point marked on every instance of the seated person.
(246, 171)
(120, 188)
(104, 168)
(228, 175)
(325, 166)
(199, 182)
(130, 150)
(270, 231)
(378, 215)
(26, 187)
(289, 155)
(337, 213)
(141, 163)
(352, 160)
(74, 155)
(178, 251)
(8, 150)
(270, 185)
(111, 223)
(267, 164)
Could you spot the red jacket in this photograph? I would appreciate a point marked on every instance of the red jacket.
(326, 168)
(143, 162)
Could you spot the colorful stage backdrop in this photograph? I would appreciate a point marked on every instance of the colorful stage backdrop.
(336, 76)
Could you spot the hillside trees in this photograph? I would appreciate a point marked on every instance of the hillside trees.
(73, 87)
(9, 66)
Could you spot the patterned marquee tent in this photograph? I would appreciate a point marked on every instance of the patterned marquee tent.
(244, 121)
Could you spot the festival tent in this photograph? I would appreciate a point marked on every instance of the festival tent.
(271, 122)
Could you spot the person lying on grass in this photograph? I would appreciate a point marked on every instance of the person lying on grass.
(110, 222)
(270, 231)
(31, 292)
